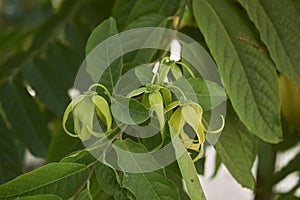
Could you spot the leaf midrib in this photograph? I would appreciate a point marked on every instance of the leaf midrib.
(239, 60)
(48, 183)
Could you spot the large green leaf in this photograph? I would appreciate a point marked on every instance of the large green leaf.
(145, 55)
(11, 155)
(61, 179)
(150, 185)
(28, 124)
(249, 77)
(101, 54)
(109, 182)
(236, 148)
(49, 89)
(139, 8)
(278, 23)
(188, 170)
(106, 178)
(129, 111)
(150, 20)
(97, 191)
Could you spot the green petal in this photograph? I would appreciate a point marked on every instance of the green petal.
(172, 105)
(103, 107)
(156, 103)
(176, 71)
(84, 112)
(176, 121)
(163, 72)
(137, 92)
(68, 110)
(201, 153)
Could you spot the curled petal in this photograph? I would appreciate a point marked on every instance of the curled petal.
(219, 129)
(103, 108)
(172, 105)
(67, 112)
(176, 121)
(201, 153)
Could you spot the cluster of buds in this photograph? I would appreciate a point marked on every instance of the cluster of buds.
(90, 107)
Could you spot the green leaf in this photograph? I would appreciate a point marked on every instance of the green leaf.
(84, 195)
(188, 170)
(61, 179)
(144, 74)
(11, 155)
(106, 178)
(249, 77)
(103, 31)
(49, 89)
(97, 191)
(41, 196)
(145, 55)
(173, 173)
(81, 156)
(236, 148)
(139, 8)
(279, 27)
(129, 111)
(150, 20)
(197, 87)
(150, 185)
(104, 53)
(28, 124)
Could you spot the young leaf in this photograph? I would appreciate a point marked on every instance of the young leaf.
(106, 178)
(141, 8)
(97, 191)
(280, 33)
(81, 156)
(236, 148)
(129, 111)
(150, 185)
(188, 170)
(28, 124)
(61, 179)
(104, 54)
(249, 77)
(84, 195)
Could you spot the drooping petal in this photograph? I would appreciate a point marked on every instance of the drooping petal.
(67, 112)
(176, 121)
(103, 108)
(156, 103)
(172, 105)
(84, 114)
(201, 153)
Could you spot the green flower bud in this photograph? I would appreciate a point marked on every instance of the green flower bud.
(85, 107)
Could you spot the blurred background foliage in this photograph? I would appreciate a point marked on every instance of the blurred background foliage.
(42, 44)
